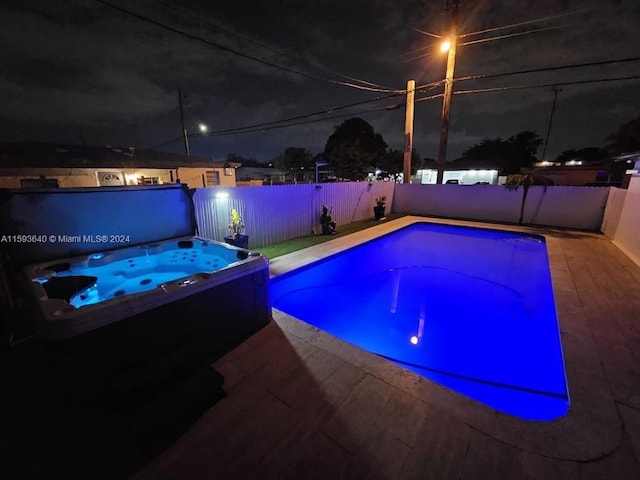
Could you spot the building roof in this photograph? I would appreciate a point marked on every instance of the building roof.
(46, 155)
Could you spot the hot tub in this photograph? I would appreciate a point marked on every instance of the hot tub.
(81, 294)
(117, 278)
(109, 309)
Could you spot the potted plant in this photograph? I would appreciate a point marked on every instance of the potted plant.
(236, 227)
(378, 210)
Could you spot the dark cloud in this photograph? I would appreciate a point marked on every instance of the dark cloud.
(81, 64)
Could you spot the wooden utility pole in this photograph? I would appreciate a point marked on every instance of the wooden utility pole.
(556, 90)
(408, 131)
(184, 130)
(452, 5)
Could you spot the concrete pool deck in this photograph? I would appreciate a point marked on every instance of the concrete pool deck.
(304, 404)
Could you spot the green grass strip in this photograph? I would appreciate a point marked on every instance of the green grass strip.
(282, 248)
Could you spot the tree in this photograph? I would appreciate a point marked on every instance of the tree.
(525, 180)
(353, 148)
(526, 143)
(626, 140)
(297, 162)
(392, 163)
(513, 154)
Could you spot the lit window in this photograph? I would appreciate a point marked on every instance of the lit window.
(228, 172)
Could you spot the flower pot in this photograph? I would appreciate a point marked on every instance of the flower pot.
(378, 212)
(240, 241)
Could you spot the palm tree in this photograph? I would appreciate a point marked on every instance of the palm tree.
(525, 179)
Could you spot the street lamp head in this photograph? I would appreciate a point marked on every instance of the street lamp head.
(203, 128)
(445, 46)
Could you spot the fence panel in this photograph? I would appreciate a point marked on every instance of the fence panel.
(273, 214)
(561, 206)
(277, 213)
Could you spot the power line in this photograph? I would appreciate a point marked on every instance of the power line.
(277, 124)
(431, 52)
(509, 35)
(240, 54)
(217, 134)
(261, 126)
(431, 97)
(549, 69)
(183, 11)
(426, 33)
(555, 84)
(528, 22)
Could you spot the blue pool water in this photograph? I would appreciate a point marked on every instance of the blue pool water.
(471, 309)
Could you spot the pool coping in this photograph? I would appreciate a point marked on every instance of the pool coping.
(591, 429)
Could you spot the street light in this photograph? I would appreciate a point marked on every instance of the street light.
(185, 135)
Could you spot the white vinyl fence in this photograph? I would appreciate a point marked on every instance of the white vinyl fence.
(621, 222)
(277, 213)
(560, 206)
(273, 214)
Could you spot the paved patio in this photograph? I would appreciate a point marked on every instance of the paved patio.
(303, 404)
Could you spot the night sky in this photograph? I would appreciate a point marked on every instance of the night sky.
(82, 71)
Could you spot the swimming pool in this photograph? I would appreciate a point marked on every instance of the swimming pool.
(471, 309)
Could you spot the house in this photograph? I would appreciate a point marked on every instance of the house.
(460, 172)
(574, 172)
(50, 165)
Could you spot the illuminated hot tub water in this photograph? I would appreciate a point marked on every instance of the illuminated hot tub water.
(471, 309)
(210, 282)
(141, 269)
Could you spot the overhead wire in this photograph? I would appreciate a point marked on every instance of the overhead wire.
(422, 99)
(554, 84)
(519, 24)
(260, 126)
(241, 54)
(509, 35)
(257, 127)
(286, 123)
(549, 69)
(231, 32)
(290, 122)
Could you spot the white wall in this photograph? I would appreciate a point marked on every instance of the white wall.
(571, 207)
(277, 213)
(621, 221)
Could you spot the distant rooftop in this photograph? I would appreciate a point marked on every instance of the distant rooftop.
(43, 155)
